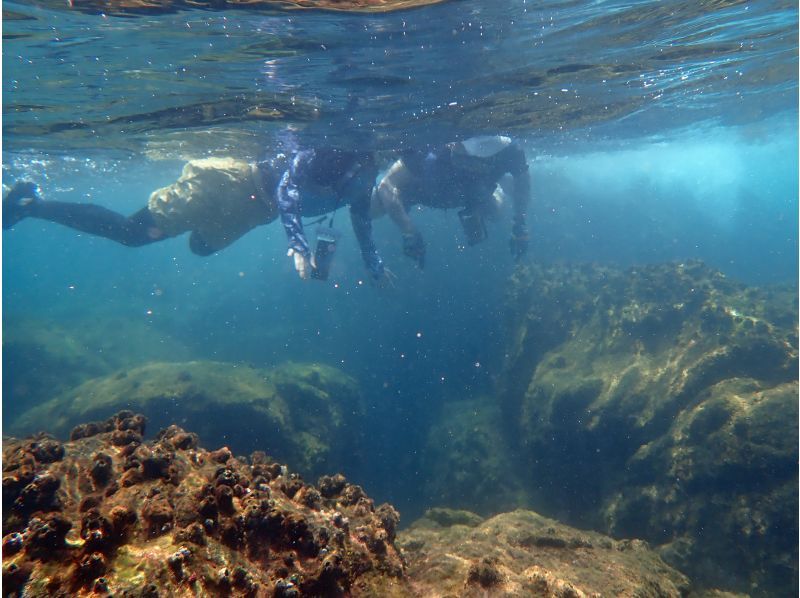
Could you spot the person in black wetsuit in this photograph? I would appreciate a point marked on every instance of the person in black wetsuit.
(218, 200)
(461, 175)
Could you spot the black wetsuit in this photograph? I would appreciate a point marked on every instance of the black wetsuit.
(462, 180)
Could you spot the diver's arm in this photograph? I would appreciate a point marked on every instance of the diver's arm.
(521, 197)
(388, 192)
(290, 209)
(362, 227)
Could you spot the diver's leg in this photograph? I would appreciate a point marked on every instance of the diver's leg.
(133, 231)
(17, 202)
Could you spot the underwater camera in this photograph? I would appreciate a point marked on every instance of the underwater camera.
(473, 226)
(323, 254)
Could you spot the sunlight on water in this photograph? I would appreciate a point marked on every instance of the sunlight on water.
(722, 170)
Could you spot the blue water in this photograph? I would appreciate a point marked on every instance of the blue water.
(656, 131)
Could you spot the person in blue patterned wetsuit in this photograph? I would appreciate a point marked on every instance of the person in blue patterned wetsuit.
(319, 181)
(218, 200)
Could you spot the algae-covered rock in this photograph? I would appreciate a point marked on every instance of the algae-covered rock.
(43, 358)
(304, 414)
(467, 460)
(109, 513)
(731, 450)
(444, 517)
(661, 402)
(524, 554)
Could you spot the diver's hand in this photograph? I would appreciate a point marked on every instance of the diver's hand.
(386, 280)
(414, 247)
(519, 240)
(304, 264)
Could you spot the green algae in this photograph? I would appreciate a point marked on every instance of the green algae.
(467, 460)
(297, 413)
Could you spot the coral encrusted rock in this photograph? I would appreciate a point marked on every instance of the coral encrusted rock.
(660, 402)
(301, 414)
(109, 514)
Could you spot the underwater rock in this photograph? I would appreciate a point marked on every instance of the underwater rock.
(524, 554)
(49, 357)
(661, 402)
(467, 461)
(723, 482)
(212, 527)
(218, 525)
(444, 517)
(303, 414)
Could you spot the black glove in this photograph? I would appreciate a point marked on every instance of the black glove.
(414, 247)
(519, 239)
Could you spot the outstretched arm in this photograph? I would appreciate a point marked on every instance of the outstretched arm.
(521, 196)
(389, 194)
(362, 227)
(290, 208)
(359, 192)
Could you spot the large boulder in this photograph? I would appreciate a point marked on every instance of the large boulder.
(722, 485)
(42, 358)
(128, 7)
(304, 414)
(661, 403)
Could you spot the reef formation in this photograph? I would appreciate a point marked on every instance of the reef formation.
(660, 402)
(522, 553)
(109, 513)
(304, 414)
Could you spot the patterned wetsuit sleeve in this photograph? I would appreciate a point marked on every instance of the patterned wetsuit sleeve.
(290, 208)
(362, 227)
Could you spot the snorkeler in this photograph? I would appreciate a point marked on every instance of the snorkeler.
(458, 175)
(218, 200)
(319, 181)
